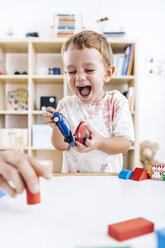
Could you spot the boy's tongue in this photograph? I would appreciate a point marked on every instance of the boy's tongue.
(85, 90)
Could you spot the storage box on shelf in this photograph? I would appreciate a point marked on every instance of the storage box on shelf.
(36, 56)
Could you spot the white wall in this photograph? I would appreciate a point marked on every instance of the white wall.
(142, 20)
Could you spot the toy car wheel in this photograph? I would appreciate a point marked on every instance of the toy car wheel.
(56, 119)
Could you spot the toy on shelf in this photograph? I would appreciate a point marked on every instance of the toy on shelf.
(18, 100)
(158, 171)
(139, 174)
(148, 151)
(131, 228)
(47, 101)
(64, 127)
(82, 133)
(125, 174)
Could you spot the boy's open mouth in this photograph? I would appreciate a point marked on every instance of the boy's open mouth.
(84, 90)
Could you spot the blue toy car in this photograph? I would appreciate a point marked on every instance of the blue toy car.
(64, 127)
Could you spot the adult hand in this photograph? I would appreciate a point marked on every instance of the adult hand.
(18, 170)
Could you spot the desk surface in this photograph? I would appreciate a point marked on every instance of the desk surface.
(75, 212)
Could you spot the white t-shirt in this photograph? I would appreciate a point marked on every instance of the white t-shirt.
(109, 117)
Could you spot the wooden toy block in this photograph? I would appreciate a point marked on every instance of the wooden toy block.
(139, 174)
(125, 174)
(150, 170)
(33, 198)
(158, 170)
(131, 228)
(161, 238)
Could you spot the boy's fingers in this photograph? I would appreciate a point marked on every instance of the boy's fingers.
(47, 115)
(50, 109)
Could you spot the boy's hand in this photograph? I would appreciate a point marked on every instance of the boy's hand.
(20, 170)
(48, 116)
(90, 144)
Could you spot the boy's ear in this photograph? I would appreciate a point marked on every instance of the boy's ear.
(109, 73)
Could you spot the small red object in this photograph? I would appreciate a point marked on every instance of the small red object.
(139, 174)
(130, 229)
(32, 198)
(82, 133)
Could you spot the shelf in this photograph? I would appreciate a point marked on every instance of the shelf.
(48, 78)
(12, 112)
(11, 46)
(14, 78)
(13, 148)
(48, 46)
(42, 148)
(122, 80)
(36, 112)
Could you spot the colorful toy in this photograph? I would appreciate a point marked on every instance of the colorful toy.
(18, 99)
(158, 171)
(148, 151)
(82, 133)
(64, 127)
(161, 238)
(139, 174)
(32, 198)
(125, 174)
(130, 229)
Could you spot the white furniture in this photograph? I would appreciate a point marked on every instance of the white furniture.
(34, 55)
(75, 212)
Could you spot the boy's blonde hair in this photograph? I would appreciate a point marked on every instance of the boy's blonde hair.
(91, 39)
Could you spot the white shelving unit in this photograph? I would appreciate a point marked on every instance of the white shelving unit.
(30, 54)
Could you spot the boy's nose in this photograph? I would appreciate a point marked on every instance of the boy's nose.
(80, 76)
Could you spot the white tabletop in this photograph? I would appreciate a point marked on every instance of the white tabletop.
(76, 211)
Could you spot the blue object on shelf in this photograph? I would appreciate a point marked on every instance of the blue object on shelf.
(2, 193)
(161, 238)
(64, 127)
(125, 174)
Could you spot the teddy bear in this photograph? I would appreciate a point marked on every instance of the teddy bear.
(148, 151)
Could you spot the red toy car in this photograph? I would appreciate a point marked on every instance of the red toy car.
(82, 133)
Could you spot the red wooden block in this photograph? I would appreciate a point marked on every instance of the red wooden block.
(130, 229)
(33, 198)
(139, 174)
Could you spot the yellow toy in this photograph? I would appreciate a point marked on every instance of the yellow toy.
(148, 151)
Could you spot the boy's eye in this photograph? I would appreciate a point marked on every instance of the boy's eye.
(90, 70)
(71, 72)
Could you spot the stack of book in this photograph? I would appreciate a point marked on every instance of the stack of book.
(65, 25)
(124, 62)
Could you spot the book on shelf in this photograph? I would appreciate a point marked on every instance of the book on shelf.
(129, 59)
(118, 62)
(130, 95)
(124, 62)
